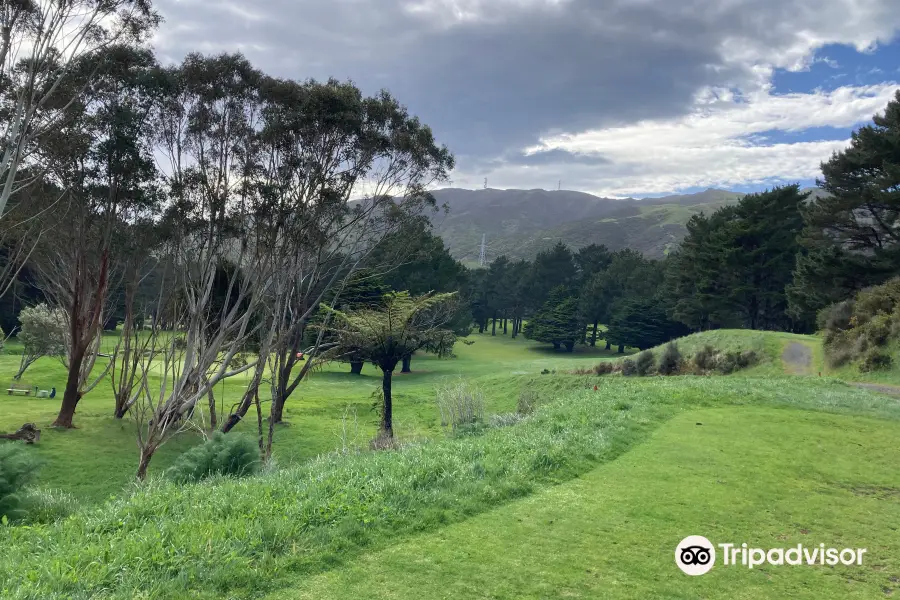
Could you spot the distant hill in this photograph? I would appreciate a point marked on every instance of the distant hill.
(520, 223)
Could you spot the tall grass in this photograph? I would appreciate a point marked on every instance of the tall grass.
(460, 403)
(230, 537)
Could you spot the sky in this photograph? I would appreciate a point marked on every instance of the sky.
(613, 97)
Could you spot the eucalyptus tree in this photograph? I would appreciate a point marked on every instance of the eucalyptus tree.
(340, 173)
(50, 50)
(293, 184)
(104, 164)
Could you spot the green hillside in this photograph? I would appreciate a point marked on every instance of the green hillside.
(519, 223)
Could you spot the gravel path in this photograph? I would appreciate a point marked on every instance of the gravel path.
(797, 358)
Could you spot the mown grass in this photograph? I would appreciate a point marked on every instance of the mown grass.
(235, 538)
(765, 476)
(99, 458)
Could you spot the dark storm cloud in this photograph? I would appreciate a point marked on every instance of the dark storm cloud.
(493, 84)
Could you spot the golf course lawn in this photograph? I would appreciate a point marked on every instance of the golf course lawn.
(329, 409)
(769, 477)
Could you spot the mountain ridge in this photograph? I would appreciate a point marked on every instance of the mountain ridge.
(521, 223)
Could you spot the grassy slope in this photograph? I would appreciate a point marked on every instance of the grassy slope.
(768, 345)
(237, 538)
(99, 458)
(768, 477)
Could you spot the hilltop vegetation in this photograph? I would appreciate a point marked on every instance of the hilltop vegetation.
(521, 223)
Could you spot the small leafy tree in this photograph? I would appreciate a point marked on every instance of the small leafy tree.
(42, 333)
(385, 335)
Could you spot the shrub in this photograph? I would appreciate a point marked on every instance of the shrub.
(705, 358)
(735, 360)
(527, 402)
(876, 360)
(878, 330)
(670, 361)
(17, 470)
(628, 367)
(232, 454)
(460, 403)
(47, 505)
(644, 363)
(835, 317)
(180, 343)
(604, 368)
(505, 419)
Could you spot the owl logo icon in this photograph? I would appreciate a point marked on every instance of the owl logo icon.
(695, 555)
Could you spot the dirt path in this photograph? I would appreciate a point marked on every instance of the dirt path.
(797, 358)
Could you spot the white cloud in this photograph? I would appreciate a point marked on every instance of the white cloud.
(726, 141)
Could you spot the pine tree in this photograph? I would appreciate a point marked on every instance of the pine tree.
(852, 234)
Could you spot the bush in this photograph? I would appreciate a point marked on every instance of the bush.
(604, 368)
(628, 367)
(670, 361)
(735, 360)
(705, 358)
(232, 454)
(644, 363)
(835, 317)
(17, 470)
(46, 505)
(460, 403)
(180, 343)
(878, 330)
(876, 360)
(527, 402)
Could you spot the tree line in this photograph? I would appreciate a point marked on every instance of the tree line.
(206, 210)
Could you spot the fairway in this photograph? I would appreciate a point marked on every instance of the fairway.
(330, 409)
(765, 476)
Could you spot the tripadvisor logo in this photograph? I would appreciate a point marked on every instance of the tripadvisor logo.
(696, 555)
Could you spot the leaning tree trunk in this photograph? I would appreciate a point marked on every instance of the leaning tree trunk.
(594, 334)
(356, 367)
(72, 395)
(146, 455)
(406, 361)
(387, 416)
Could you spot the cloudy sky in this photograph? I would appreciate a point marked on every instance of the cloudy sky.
(613, 97)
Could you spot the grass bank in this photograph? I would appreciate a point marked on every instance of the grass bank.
(769, 477)
(239, 538)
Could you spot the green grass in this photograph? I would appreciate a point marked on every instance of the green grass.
(547, 497)
(768, 477)
(768, 346)
(99, 458)
(241, 537)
